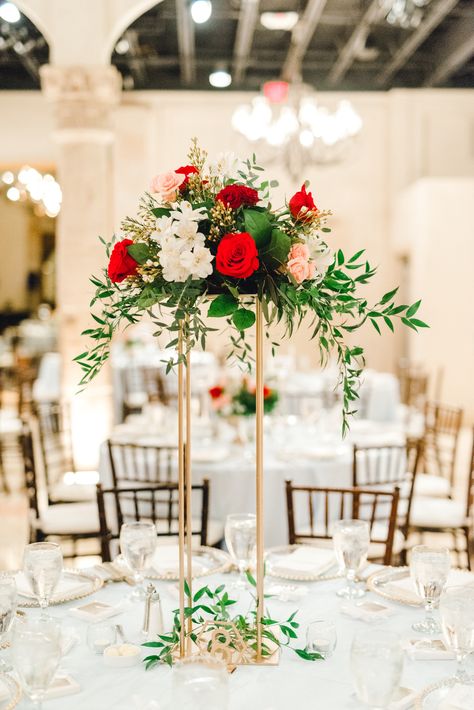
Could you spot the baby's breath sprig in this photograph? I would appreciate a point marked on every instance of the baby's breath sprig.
(223, 220)
(197, 156)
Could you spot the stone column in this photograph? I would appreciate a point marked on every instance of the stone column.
(83, 99)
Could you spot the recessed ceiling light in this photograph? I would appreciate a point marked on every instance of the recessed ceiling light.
(220, 79)
(201, 10)
(9, 12)
(122, 46)
(279, 20)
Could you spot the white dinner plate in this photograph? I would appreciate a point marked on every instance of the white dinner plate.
(87, 584)
(432, 696)
(393, 583)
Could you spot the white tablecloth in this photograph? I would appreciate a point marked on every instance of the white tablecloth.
(293, 451)
(293, 685)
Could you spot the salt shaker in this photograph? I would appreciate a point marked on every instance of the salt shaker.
(153, 619)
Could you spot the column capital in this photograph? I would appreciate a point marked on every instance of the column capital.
(83, 97)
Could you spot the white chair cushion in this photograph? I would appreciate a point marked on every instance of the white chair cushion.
(75, 492)
(69, 519)
(215, 530)
(431, 486)
(437, 513)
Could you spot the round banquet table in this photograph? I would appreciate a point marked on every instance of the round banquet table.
(293, 684)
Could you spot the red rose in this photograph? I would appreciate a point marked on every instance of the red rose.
(302, 205)
(121, 264)
(235, 196)
(186, 170)
(266, 392)
(237, 255)
(216, 392)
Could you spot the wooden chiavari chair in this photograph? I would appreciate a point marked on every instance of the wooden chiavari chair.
(447, 515)
(326, 505)
(157, 503)
(442, 428)
(134, 463)
(413, 385)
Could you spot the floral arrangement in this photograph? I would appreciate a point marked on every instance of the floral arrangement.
(241, 401)
(209, 237)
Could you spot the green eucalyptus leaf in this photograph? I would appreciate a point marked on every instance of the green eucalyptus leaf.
(276, 254)
(161, 212)
(243, 318)
(258, 225)
(223, 305)
(140, 252)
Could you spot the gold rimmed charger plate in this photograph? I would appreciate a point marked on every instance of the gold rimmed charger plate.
(295, 576)
(381, 583)
(431, 697)
(210, 559)
(94, 581)
(14, 692)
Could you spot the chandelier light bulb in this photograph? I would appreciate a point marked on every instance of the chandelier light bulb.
(220, 79)
(9, 13)
(201, 10)
(122, 46)
(279, 20)
(13, 194)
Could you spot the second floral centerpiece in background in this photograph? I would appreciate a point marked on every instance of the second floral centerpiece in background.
(241, 400)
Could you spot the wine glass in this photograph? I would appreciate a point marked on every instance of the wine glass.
(36, 653)
(138, 542)
(43, 567)
(8, 598)
(456, 608)
(200, 683)
(241, 539)
(376, 664)
(429, 569)
(351, 540)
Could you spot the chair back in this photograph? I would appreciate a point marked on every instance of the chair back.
(326, 505)
(55, 442)
(134, 463)
(470, 481)
(29, 470)
(386, 466)
(157, 503)
(413, 385)
(442, 427)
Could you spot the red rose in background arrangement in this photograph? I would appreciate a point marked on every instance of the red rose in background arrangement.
(121, 264)
(237, 255)
(302, 205)
(186, 170)
(216, 392)
(235, 196)
(266, 392)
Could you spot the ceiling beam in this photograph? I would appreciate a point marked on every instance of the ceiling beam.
(301, 37)
(185, 42)
(357, 40)
(430, 21)
(457, 49)
(247, 23)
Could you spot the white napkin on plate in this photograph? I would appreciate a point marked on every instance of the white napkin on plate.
(68, 585)
(456, 577)
(166, 561)
(460, 697)
(421, 650)
(305, 560)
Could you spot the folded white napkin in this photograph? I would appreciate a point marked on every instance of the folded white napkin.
(367, 611)
(460, 697)
(166, 561)
(456, 577)
(427, 650)
(68, 585)
(305, 560)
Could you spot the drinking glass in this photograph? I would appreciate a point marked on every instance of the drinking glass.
(321, 637)
(200, 683)
(138, 542)
(241, 540)
(429, 569)
(456, 608)
(376, 664)
(351, 540)
(99, 636)
(8, 600)
(36, 652)
(43, 567)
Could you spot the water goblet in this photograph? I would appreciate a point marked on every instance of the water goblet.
(376, 664)
(36, 653)
(43, 567)
(241, 540)
(8, 600)
(456, 607)
(429, 569)
(321, 637)
(200, 683)
(351, 540)
(138, 542)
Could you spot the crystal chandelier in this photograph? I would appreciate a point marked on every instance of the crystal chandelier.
(288, 123)
(29, 184)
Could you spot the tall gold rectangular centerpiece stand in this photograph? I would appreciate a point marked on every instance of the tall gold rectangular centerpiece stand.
(185, 493)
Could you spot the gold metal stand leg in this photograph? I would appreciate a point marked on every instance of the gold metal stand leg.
(181, 493)
(189, 494)
(259, 474)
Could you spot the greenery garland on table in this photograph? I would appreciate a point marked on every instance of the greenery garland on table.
(210, 235)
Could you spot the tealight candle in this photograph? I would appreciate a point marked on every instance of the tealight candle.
(100, 636)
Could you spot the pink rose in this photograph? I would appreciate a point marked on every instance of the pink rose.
(167, 185)
(300, 269)
(299, 251)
